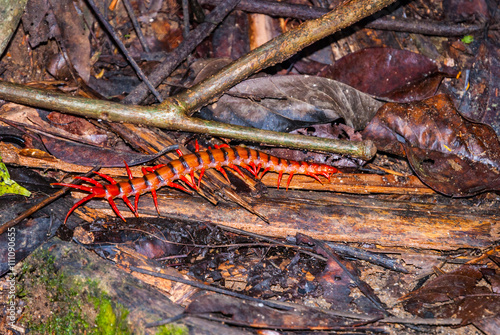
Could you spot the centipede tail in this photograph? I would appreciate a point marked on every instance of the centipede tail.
(185, 168)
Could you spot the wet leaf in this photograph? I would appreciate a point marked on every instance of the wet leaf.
(7, 185)
(339, 275)
(285, 103)
(231, 37)
(480, 102)
(392, 74)
(59, 19)
(449, 153)
(454, 295)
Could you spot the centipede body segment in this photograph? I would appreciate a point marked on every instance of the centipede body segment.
(184, 168)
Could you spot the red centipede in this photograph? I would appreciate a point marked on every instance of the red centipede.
(165, 174)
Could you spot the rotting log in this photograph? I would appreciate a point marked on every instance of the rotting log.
(330, 216)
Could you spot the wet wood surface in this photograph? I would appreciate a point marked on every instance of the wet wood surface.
(341, 217)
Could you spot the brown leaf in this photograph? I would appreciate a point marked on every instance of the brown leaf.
(454, 295)
(397, 75)
(480, 102)
(285, 103)
(449, 153)
(60, 20)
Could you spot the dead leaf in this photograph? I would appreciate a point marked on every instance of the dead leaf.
(454, 295)
(60, 19)
(397, 75)
(285, 103)
(449, 153)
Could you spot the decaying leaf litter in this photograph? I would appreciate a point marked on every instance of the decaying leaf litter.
(438, 89)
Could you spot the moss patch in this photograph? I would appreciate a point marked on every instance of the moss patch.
(172, 330)
(58, 305)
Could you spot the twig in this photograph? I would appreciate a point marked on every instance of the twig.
(303, 12)
(185, 13)
(175, 58)
(122, 48)
(136, 25)
(42, 204)
(173, 118)
(202, 286)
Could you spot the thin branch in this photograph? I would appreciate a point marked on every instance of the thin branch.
(275, 51)
(122, 48)
(303, 12)
(176, 57)
(137, 26)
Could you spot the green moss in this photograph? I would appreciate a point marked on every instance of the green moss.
(172, 330)
(69, 306)
(110, 321)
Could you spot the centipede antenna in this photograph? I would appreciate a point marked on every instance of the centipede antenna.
(78, 187)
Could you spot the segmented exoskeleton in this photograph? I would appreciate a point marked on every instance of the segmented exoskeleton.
(165, 174)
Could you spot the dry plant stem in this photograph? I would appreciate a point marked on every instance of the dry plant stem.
(276, 51)
(173, 117)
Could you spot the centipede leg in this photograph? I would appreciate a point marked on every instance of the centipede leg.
(289, 180)
(315, 177)
(105, 176)
(263, 173)
(221, 170)
(129, 173)
(235, 168)
(129, 204)
(87, 198)
(155, 200)
(279, 179)
(170, 184)
(191, 182)
(202, 172)
(113, 205)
